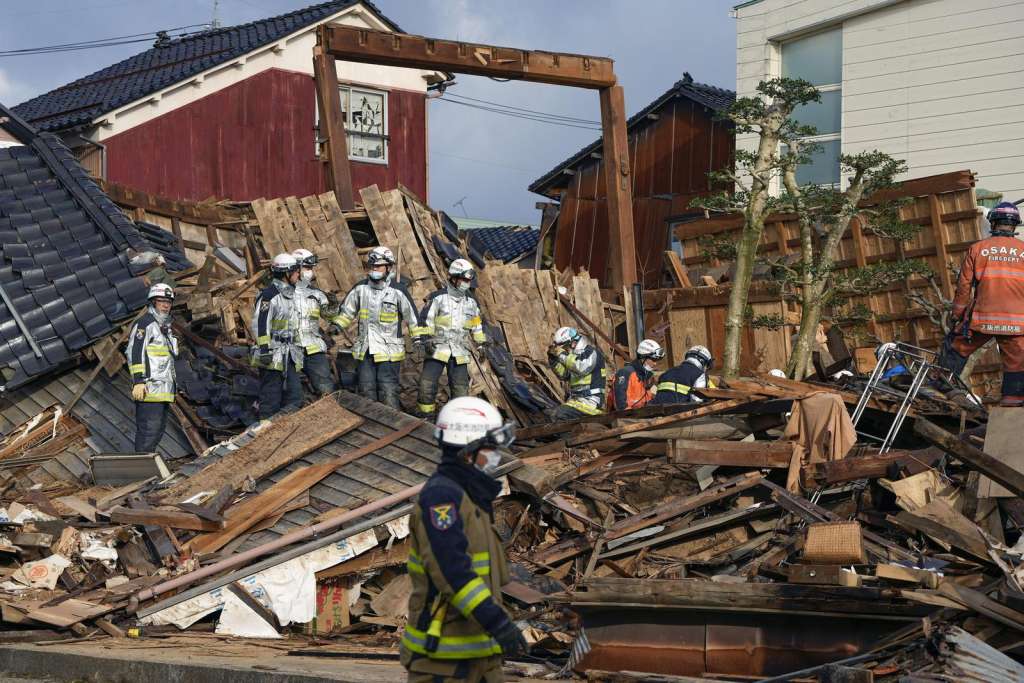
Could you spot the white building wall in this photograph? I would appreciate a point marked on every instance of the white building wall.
(934, 82)
(292, 53)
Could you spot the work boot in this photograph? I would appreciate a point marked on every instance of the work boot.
(1010, 401)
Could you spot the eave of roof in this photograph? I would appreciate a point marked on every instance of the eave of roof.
(84, 100)
(712, 97)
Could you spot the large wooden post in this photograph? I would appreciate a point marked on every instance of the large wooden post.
(332, 128)
(619, 188)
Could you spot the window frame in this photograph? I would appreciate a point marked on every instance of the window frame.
(346, 90)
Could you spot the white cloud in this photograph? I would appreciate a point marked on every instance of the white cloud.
(11, 91)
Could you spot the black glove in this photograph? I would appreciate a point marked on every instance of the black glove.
(511, 640)
(334, 328)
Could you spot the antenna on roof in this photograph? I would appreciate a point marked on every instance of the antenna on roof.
(215, 22)
(462, 205)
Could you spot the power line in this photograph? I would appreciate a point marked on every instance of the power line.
(517, 115)
(525, 111)
(101, 42)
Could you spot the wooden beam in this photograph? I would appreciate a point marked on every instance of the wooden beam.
(190, 212)
(157, 517)
(332, 125)
(675, 265)
(974, 457)
(939, 235)
(417, 52)
(619, 187)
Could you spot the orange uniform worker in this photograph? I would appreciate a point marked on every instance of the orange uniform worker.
(633, 383)
(989, 302)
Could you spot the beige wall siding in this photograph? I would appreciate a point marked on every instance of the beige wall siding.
(934, 82)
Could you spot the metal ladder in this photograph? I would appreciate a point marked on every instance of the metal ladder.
(921, 364)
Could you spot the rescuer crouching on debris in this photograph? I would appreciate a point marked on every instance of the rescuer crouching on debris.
(276, 354)
(381, 305)
(576, 361)
(152, 349)
(457, 628)
(309, 304)
(676, 384)
(634, 384)
(989, 303)
(450, 317)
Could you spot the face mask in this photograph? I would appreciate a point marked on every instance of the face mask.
(307, 275)
(490, 467)
(650, 366)
(463, 286)
(376, 276)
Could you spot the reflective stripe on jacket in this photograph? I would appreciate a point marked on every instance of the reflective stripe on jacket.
(457, 568)
(676, 384)
(450, 317)
(584, 369)
(993, 271)
(276, 325)
(309, 303)
(151, 351)
(380, 308)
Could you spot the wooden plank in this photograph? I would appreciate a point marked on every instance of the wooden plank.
(619, 188)
(731, 453)
(330, 272)
(939, 235)
(332, 121)
(175, 519)
(417, 52)
(973, 457)
(339, 231)
(247, 514)
(268, 230)
(287, 439)
(711, 409)
(677, 269)
(414, 267)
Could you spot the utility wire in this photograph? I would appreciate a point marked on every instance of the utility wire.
(528, 117)
(562, 117)
(101, 42)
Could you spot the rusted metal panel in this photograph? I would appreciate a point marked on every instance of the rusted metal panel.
(968, 659)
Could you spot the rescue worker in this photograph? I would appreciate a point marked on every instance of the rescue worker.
(381, 306)
(989, 302)
(449, 318)
(457, 628)
(576, 361)
(276, 353)
(152, 349)
(676, 384)
(309, 304)
(633, 385)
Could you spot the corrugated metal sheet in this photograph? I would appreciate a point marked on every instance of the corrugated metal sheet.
(406, 462)
(105, 408)
(965, 659)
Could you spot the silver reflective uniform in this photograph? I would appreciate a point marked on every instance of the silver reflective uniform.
(450, 317)
(276, 325)
(151, 351)
(309, 301)
(380, 307)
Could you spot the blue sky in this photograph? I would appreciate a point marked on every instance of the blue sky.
(483, 158)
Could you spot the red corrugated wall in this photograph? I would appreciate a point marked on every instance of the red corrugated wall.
(255, 139)
(670, 158)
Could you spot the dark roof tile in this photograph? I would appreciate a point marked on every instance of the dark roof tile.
(506, 243)
(82, 101)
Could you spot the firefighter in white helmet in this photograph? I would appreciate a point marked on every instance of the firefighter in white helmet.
(277, 354)
(458, 628)
(633, 384)
(310, 302)
(152, 349)
(450, 317)
(381, 305)
(676, 384)
(579, 363)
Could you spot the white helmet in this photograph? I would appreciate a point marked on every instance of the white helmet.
(882, 348)
(380, 256)
(283, 264)
(566, 335)
(776, 372)
(160, 291)
(461, 268)
(467, 420)
(702, 355)
(649, 348)
(305, 257)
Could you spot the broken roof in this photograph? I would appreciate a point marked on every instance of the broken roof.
(710, 96)
(64, 267)
(80, 102)
(505, 243)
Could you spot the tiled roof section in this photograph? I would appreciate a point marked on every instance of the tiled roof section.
(504, 244)
(712, 97)
(81, 101)
(63, 256)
